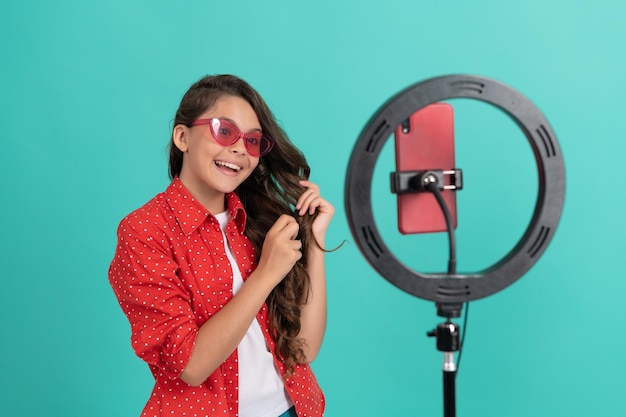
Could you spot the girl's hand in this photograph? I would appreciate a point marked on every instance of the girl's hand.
(281, 249)
(311, 201)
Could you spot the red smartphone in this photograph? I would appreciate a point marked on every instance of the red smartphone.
(422, 142)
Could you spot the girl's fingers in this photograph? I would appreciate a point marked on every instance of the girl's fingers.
(309, 203)
(288, 225)
(310, 198)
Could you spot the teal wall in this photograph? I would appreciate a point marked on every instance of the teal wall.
(88, 94)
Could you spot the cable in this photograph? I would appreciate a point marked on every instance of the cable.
(432, 184)
(458, 358)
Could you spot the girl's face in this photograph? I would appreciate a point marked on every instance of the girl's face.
(209, 169)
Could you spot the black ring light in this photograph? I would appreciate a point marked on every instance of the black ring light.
(456, 288)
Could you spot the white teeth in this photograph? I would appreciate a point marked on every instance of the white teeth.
(228, 165)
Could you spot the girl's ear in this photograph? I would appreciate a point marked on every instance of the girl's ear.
(180, 137)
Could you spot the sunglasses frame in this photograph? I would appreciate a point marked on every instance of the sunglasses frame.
(238, 135)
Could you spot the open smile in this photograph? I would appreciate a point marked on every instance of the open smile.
(229, 165)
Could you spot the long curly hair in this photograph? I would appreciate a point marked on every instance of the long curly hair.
(270, 191)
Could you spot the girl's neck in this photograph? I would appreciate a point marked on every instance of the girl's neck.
(214, 201)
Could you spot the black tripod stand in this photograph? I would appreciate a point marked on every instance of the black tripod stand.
(448, 342)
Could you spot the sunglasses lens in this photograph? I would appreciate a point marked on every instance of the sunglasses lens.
(253, 143)
(225, 133)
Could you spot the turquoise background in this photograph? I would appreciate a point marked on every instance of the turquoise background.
(89, 90)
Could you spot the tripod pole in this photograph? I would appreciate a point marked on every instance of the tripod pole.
(447, 335)
(449, 386)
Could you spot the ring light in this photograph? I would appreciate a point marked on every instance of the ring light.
(455, 288)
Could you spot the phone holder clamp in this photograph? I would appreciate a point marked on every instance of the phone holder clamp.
(419, 181)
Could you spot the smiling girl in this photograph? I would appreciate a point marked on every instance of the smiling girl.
(222, 275)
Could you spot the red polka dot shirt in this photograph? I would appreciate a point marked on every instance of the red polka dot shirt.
(170, 274)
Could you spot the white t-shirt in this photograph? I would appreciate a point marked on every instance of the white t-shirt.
(261, 388)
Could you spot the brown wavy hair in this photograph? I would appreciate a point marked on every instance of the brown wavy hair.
(270, 191)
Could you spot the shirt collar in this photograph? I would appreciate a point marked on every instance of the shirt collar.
(190, 214)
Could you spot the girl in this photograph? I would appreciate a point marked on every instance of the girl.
(222, 275)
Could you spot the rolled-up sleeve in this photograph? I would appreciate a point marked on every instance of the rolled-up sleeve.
(144, 279)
